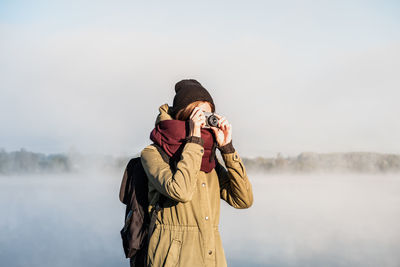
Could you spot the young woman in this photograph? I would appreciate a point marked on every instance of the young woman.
(186, 231)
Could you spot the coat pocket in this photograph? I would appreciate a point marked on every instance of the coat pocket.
(174, 252)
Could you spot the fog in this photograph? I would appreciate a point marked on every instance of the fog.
(298, 76)
(296, 220)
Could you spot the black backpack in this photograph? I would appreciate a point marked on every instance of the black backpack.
(138, 225)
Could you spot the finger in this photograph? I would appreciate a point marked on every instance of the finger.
(201, 119)
(227, 125)
(194, 112)
(223, 125)
(215, 130)
(199, 112)
(221, 121)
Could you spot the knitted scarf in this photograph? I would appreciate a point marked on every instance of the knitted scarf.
(170, 135)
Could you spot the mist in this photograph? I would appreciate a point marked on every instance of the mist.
(317, 220)
(320, 77)
(296, 220)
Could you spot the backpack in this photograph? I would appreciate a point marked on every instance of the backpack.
(139, 225)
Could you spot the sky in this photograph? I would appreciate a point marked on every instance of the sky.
(290, 76)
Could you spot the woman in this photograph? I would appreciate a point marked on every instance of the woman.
(186, 232)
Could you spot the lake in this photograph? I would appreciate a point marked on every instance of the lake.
(296, 220)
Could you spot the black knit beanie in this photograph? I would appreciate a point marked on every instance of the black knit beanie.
(189, 91)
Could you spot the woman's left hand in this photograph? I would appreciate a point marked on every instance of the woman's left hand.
(223, 133)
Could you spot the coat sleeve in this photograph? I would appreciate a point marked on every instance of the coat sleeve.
(180, 185)
(235, 187)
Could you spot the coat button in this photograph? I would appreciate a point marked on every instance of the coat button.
(203, 184)
(206, 218)
(209, 252)
(201, 150)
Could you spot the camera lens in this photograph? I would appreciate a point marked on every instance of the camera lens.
(213, 121)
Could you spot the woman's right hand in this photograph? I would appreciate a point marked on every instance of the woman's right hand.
(196, 121)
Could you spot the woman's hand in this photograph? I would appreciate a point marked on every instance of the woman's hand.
(196, 121)
(223, 133)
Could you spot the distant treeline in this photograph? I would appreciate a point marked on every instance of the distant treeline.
(22, 161)
(364, 162)
(29, 162)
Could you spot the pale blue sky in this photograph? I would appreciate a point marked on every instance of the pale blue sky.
(290, 76)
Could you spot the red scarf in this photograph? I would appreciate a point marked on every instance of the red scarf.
(170, 135)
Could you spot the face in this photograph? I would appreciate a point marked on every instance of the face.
(205, 106)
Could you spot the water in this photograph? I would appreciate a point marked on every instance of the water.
(296, 220)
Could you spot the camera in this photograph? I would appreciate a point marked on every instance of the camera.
(211, 119)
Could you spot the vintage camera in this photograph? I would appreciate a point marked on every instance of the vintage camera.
(211, 119)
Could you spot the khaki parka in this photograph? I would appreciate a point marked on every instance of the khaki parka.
(186, 232)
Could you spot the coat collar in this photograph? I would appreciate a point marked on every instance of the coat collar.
(164, 113)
